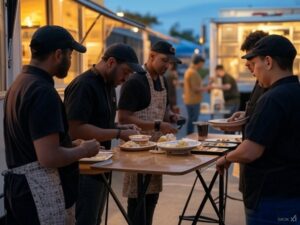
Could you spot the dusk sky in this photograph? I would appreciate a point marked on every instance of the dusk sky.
(190, 13)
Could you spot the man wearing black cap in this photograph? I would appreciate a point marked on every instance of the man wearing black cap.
(270, 150)
(90, 102)
(143, 101)
(42, 176)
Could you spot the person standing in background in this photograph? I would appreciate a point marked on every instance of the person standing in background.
(42, 176)
(192, 91)
(230, 90)
(90, 101)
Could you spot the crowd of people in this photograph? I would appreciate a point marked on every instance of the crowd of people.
(45, 137)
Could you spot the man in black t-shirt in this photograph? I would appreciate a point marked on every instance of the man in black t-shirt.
(270, 150)
(90, 102)
(41, 180)
(230, 90)
(143, 101)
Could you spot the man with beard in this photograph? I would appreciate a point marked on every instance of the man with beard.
(143, 102)
(90, 102)
(41, 180)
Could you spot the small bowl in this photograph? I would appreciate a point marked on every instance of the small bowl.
(140, 138)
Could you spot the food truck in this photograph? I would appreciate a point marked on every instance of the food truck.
(228, 31)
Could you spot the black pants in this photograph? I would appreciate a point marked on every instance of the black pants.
(91, 200)
(151, 201)
(18, 201)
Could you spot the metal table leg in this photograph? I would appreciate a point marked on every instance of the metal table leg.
(107, 198)
(114, 196)
(218, 210)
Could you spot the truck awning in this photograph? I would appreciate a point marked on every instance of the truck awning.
(108, 13)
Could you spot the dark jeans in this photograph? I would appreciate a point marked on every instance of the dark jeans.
(18, 201)
(151, 201)
(193, 113)
(91, 200)
(275, 211)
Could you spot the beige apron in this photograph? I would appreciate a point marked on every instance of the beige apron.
(155, 111)
(47, 193)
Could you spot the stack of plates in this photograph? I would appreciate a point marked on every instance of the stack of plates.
(223, 124)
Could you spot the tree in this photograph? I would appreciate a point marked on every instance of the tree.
(147, 19)
(187, 34)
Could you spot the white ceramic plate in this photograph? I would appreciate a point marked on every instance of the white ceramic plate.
(139, 137)
(102, 156)
(219, 144)
(136, 147)
(225, 123)
(230, 140)
(173, 145)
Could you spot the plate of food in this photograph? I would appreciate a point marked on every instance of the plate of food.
(140, 138)
(218, 144)
(167, 137)
(230, 140)
(133, 146)
(182, 146)
(101, 156)
(224, 122)
(209, 150)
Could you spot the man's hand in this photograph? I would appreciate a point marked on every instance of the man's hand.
(124, 135)
(167, 128)
(128, 126)
(237, 116)
(91, 147)
(222, 164)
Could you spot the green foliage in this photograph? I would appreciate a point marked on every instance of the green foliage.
(186, 34)
(147, 19)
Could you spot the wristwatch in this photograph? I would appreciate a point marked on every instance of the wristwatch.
(157, 125)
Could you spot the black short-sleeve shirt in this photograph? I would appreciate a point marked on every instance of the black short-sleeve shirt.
(135, 93)
(232, 95)
(89, 99)
(33, 109)
(275, 124)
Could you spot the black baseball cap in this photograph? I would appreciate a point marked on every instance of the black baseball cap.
(166, 48)
(273, 45)
(50, 37)
(124, 54)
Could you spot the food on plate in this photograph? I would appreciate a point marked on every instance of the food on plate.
(167, 137)
(222, 144)
(131, 144)
(181, 143)
(140, 139)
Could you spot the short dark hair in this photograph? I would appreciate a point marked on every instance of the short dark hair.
(219, 67)
(197, 59)
(251, 39)
(283, 63)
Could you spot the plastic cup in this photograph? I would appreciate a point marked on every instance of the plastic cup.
(202, 128)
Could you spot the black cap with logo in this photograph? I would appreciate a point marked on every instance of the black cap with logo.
(124, 54)
(273, 45)
(166, 48)
(50, 38)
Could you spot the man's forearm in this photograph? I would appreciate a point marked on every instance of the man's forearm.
(88, 131)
